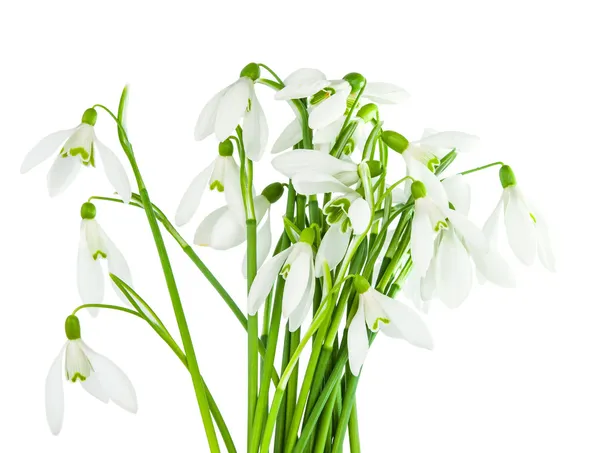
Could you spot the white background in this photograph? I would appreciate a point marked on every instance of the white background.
(513, 370)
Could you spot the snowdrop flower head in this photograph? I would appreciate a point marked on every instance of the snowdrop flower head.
(223, 174)
(526, 229)
(80, 148)
(375, 312)
(99, 376)
(296, 265)
(95, 246)
(223, 113)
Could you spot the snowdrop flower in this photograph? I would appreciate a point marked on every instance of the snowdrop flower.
(99, 376)
(224, 111)
(526, 229)
(223, 174)
(80, 148)
(296, 265)
(94, 245)
(377, 311)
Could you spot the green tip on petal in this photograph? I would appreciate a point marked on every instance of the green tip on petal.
(375, 168)
(307, 236)
(507, 177)
(252, 71)
(273, 192)
(394, 140)
(226, 148)
(361, 284)
(368, 112)
(89, 117)
(418, 190)
(88, 211)
(73, 328)
(357, 81)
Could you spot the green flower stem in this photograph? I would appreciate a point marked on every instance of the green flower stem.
(252, 330)
(324, 429)
(353, 430)
(473, 170)
(349, 400)
(262, 65)
(109, 307)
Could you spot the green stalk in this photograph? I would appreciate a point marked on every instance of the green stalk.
(353, 430)
(324, 430)
(252, 330)
(349, 400)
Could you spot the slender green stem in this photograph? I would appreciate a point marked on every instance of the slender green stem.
(473, 170)
(252, 331)
(273, 73)
(324, 429)
(349, 400)
(353, 430)
(109, 307)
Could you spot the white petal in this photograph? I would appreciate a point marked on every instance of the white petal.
(452, 139)
(520, 228)
(490, 228)
(265, 278)
(231, 108)
(332, 249)
(412, 290)
(405, 322)
(233, 191)
(544, 247)
(374, 314)
(455, 277)
(493, 267)
(44, 149)
(93, 386)
(435, 189)
(421, 239)
(329, 133)
(291, 135)
(401, 193)
(256, 130)
(55, 402)
(90, 279)
(298, 279)
(114, 170)
(358, 341)
(328, 111)
(263, 245)
(220, 230)
(385, 93)
(314, 183)
(306, 161)
(61, 174)
(359, 214)
(206, 121)
(427, 287)
(459, 193)
(302, 83)
(114, 381)
(473, 236)
(298, 316)
(193, 195)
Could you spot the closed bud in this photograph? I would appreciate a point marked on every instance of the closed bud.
(394, 140)
(226, 148)
(361, 284)
(418, 190)
(72, 328)
(375, 168)
(356, 81)
(88, 211)
(252, 71)
(89, 117)
(307, 236)
(368, 112)
(273, 192)
(507, 177)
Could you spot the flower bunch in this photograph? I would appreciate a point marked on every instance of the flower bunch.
(359, 250)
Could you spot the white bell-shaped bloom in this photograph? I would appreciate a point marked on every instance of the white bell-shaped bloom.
(526, 229)
(376, 312)
(385, 93)
(80, 148)
(331, 106)
(223, 113)
(98, 375)
(94, 246)
(302, 83)
(296, 265)
(291, 135)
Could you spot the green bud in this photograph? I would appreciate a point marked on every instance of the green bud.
(394, 140)
(252, 71)
(356, 81)
(89, 117)
(72, 328)
(507, 177)
(226, 148)
(307, 236)
(361, 284)
(273, 192)
(418, 190)
(368, 112)
(88, 211)
(375, 168)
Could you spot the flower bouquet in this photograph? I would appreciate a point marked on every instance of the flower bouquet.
(358, 251)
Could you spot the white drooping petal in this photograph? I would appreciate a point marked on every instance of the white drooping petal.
(315, 183)
(455, 272)
(263, 245)
(435, 189)
(114, 381)
(473, 236)
(256, 129)
(401, 193)
(117, 265)
(452, 139)
(93, 385)
(302, 83)
(331, 109)
(490, 228)
(306, 161)
(459, 193)
(44, 149)
(374, 314)
(54, 395)
(193, 195)
(493, 267)
(264, 280)
(298, 316)
(385, 93)
(206, 121)
(298, 278)
(329, 133)
(427, 289)
(332, 249)
(114, 170)
(520, 228)
(291, 135)
(358, 341)
(220, 230)
(421, 238)
(404, 323)
(231, 108)
(544, 246)
(61, 174)
(233, 191)
(359, 214)
(90, 279)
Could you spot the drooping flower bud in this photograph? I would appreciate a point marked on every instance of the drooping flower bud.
(368, 112)
(88, 211)
(375, 168)
(273, 192)
(361, 284)
(418, 190)
(357, 81)
(72, 328)
(252, 71)
(226, 148)
(507, 177)
(89, 117)
(394, 140)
